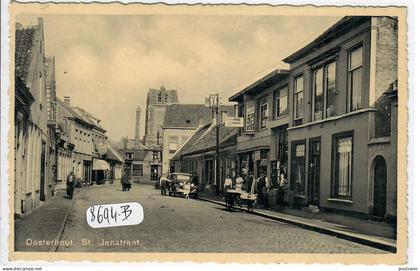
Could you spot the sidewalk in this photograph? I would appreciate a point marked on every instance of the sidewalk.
(372, 233)
(44, 223)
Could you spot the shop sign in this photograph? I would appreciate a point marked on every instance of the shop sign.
(234, 122)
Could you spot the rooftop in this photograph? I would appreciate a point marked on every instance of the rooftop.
(261, 84)
(343, 25)
(187, 115)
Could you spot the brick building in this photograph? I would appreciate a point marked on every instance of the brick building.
(157, 102)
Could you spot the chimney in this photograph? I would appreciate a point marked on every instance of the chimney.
(67, 100)
(137, 128)
(125, 143)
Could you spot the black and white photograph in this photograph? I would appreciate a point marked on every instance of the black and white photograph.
(210, 131)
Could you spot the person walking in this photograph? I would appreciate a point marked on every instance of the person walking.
(124, 182)
(227, 185)
(262, 187)
(163, 183)
(187, 189)
(70, 184)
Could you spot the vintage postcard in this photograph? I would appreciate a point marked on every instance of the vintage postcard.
(208, 133)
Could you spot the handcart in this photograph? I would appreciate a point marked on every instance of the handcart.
(248, 200)
(232, 198)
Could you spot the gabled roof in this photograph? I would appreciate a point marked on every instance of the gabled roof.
(343, 25)
(265, 82)
(187, 115)
(113, 154)
(227, 137)
(23, 50)
(191, 141)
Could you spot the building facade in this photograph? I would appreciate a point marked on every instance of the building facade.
(34, 146)
(335, 84)
(262, 142)
(181, 120)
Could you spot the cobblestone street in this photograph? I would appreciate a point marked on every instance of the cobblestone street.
(179, 225)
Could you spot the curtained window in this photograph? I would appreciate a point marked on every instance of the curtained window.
(323, 91)
(263, 115)
(355, 69)
(280, 103)
(343, 160)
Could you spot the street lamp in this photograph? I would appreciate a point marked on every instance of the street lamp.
(214, 104)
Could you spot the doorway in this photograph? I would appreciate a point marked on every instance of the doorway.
(314, 170)
(379, 187)
(154, 172)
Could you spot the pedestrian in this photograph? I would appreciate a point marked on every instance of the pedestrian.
(70, 184)
(262, 188)
(249, 182)
(187, 189)
(125, 182)
(163, 184)
(239, 183)
(227, 185)
(195, 179)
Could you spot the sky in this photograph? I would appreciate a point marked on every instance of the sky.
(107, 63)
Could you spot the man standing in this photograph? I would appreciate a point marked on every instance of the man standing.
(163, 183)
(70, 184)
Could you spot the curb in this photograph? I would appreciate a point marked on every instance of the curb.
(367, 241)
(62, 227)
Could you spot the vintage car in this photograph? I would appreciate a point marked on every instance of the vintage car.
(177, 182)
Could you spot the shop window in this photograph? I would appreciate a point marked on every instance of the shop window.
(354, 78)
(298, 99)
(323, 91)
(342, 166)
(298, 168)
(280, 103)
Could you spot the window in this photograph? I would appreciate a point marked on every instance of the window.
(355, 69)
(155, 155)
(250, 116)
(137, 169)
(159, 98)
(263, 113)
(318, 94)
(323, 92)
(298, 168)
(173, 144)
(129, 155)
(342, 166)
(280, 103)
(298, 97)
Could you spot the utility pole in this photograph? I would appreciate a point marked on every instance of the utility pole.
(214, 103)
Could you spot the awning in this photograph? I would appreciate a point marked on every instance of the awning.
(100, 165)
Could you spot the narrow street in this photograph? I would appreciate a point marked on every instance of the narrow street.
(179, 225)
